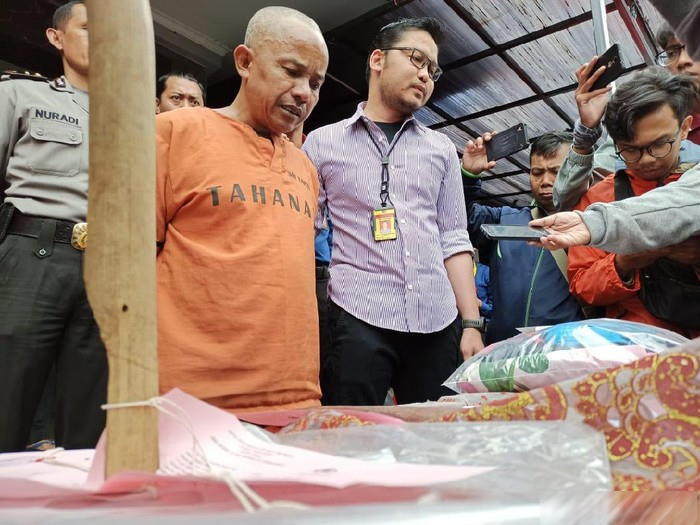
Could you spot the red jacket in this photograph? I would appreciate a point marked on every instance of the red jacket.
(694, 133)
(592, 275)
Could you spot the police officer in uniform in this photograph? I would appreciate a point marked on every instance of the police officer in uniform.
(45, 318)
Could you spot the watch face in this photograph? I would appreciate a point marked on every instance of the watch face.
(473, 323)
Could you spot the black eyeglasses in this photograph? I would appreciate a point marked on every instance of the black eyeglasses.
(670, 55)
(658, 150)
(420, 60)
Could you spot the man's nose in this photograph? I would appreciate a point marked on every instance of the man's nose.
(423, 74)
(301, 92)
(549, 178)
(684, 60)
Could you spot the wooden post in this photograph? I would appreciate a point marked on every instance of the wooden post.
(120, 257)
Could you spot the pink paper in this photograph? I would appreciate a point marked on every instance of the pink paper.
(30, 474)
(230, 448)
(274, 471)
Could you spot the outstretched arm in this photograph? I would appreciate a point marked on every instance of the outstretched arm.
(661, 217)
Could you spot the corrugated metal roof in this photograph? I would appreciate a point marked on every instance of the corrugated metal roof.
(506, 20)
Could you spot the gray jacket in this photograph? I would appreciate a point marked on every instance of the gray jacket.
(662, 217)
(578, 172)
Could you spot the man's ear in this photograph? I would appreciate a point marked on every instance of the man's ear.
(376, 60)
(242, 59)
(157, 105)
(55, 37)
(685, 126)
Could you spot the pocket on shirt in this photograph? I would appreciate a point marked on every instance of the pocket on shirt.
(57, 148)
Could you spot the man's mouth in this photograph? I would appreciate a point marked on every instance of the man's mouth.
(419, 88)
(294, 110)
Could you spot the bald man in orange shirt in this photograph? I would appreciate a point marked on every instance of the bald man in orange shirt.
(236, 204)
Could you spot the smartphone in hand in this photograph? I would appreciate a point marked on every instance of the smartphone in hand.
(512, 233)
(507, 142)
(613, 67)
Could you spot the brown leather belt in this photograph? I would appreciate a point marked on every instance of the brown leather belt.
(30, 226)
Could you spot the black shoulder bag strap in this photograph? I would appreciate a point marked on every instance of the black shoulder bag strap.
(669, 290)
(623, 186)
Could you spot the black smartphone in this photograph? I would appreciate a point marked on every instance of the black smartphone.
(507, 142)
(613, 67)
(512, 233)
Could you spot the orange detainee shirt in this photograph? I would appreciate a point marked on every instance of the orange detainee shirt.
(237, 313)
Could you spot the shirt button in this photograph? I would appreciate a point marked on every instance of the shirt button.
(403, 221)
(73, 137)
(393, 167)
(40, 132)
(410, 287)
(408, 254)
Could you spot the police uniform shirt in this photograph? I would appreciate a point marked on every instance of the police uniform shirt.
(44, 146)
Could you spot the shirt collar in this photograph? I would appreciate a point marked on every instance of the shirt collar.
(360, 114)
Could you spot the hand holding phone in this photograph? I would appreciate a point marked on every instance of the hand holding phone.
(474, 155)
(592, 101)
(505, 143)
(512, 233)
(613, 67)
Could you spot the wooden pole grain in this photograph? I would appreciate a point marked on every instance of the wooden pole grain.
(120, 274)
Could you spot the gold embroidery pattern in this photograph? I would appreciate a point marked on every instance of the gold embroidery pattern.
(547, 403)
(649, 412)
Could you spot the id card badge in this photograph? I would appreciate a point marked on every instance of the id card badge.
(384, 224)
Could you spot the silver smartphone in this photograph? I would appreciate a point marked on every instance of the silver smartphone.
(513, 233)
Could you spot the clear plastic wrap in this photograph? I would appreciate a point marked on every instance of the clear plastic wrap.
(581, 508)
(528, 457)
(557, 353)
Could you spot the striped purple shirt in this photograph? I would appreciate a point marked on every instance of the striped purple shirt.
(399, 284)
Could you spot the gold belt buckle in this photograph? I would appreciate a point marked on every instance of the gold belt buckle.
(78, 239)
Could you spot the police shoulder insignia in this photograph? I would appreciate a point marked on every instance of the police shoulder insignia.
(16, 75)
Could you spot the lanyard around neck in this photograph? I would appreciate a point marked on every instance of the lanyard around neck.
(384, 187)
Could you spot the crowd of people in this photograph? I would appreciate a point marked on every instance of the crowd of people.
(250, 317)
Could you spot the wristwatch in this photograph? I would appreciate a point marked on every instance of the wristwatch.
(479, 324)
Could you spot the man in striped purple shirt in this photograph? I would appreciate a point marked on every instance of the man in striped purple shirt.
(401, 266)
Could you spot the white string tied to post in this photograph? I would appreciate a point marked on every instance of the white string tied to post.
(247, 497)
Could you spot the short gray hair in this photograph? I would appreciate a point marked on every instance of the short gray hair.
(266, 23)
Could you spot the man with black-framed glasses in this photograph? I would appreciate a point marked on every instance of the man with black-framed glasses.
(420, 60)
(684, 17)
(403, 307)
(648, 119)
(676, 59)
